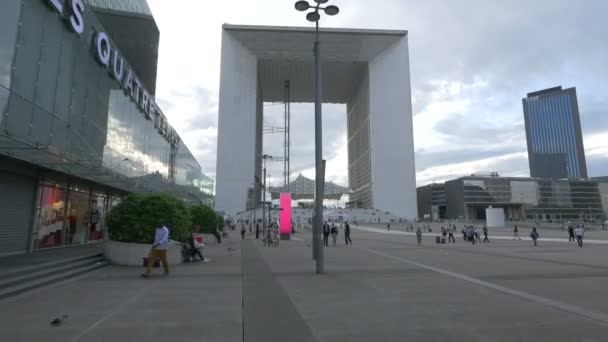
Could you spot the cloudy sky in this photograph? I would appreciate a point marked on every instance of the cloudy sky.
(471, 64)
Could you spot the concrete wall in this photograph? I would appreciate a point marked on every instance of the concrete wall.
(359, 149)
(237, 122)
(391, 132)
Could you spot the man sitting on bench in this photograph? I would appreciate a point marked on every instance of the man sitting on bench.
(192, 247)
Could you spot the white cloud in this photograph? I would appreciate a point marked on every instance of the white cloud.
(471, 61)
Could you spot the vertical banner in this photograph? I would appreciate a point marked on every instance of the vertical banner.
(285, 215)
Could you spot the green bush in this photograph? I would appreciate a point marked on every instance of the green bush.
(205, 217)
(220, 222)
(136, 218)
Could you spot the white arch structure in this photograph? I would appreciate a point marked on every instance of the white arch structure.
(368, 70)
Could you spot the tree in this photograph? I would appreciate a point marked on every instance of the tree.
(205, 217)
(136, 218)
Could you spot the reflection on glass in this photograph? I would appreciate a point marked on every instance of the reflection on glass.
(134, 148)
(78, 207)
(9, 17)
(97, 217)
(4, 94)
(52, 216)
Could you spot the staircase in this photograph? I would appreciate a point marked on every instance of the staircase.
(30, 277)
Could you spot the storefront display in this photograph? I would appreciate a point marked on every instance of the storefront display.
(52, 216)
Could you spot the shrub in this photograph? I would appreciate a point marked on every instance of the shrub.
(205, 217)
(220, 222)
(136, 218)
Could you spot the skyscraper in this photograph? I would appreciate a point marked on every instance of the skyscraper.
(553, 132)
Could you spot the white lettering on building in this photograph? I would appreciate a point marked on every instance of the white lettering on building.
(109, 57)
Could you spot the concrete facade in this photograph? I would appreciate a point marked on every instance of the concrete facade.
(368, 70)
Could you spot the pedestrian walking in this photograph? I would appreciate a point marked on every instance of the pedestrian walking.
(535, 236)
(471, 234)
(388, 227)
(257, 231)
(444, 233)
(477, 234)
(516, 233)
(485, 234)
(451, 234)
(334, 233)
(326, 234)
(419, 236)
(159, 250)
(243, 231)
(571, 233)
(579, 233)
(347, 234)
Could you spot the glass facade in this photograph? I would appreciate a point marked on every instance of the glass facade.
(543, 200)
(130, 6)
(63, 113)
(62, 110)
(555, 146)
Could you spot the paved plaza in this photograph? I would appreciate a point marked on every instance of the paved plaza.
(384, 288)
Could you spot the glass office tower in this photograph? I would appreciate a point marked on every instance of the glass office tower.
(553, 132)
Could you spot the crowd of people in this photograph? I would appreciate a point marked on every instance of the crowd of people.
(334, 230)
(192, 247)
(473, 234)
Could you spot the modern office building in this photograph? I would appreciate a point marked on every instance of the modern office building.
(78, 127)
(553, 132)
(529, 198)
(124, 20)
(432, 202)
(368, 70)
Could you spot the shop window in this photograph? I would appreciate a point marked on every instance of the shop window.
(51, 218)
(97, 217)
(78, 215)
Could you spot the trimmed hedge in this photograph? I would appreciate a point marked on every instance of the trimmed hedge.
(205, 217)
(136, 218)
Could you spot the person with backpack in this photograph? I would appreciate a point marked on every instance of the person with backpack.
(535, 236)
(326, 234)
(334, 233)
(579, 232)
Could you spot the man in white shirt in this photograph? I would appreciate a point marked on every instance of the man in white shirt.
(579, 232)
(159, 250)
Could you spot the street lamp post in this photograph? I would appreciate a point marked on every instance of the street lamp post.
(315, 16)
(264, 158)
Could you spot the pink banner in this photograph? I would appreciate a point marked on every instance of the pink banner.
(285, 213)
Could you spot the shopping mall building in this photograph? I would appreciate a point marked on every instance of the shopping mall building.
(79, 126)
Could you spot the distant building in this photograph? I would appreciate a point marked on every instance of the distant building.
(467, 198)
(432, 201)
(553, 132)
